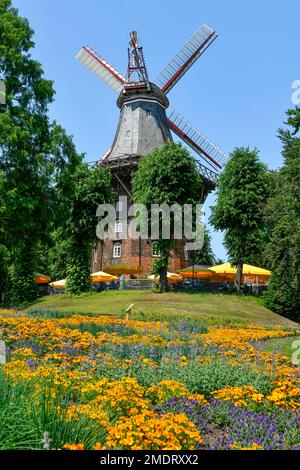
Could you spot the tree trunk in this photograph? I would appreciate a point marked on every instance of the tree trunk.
(163, 287)
(239, 275)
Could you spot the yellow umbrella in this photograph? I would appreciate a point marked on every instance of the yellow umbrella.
(101, 276)
(170, 276)
(123, 269)
(227, 268)
(251, 274)
(59, 284)
(42, 279)
(196, 271)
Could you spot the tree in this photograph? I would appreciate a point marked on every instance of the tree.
(293, 120)
(35, 154)
(4, 270)
(206, 255)
(282, 215)
(58, 254)
(92, 187)
(166, 176)
(242, 191)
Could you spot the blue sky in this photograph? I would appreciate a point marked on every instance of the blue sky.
(236, 93)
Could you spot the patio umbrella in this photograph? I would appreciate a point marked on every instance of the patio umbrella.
(42, 279)
(196, 271)
(123, 269)
(251, 274)
(170, 276)
(248, 269)
(101, 276)
(59, 284)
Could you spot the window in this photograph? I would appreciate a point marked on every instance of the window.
(155, 250)
(148, 114)
(118, 227)
(117, 250)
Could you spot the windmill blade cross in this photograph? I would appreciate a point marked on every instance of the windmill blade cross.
(103, 69)
(185, 58)
(193, 137)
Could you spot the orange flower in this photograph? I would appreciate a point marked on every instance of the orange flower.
(74, 447)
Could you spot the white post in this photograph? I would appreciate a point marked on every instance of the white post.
(2, 353)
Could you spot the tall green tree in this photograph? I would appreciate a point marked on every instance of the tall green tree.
(92, 187)
(4, 270)
(293, 121)
(283, 218)
(36, 155)
(166, 176)
(242, 192)
(206, 255)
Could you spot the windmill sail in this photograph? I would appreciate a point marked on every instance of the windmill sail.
(185, 58)
(94, 62)
(193, 137)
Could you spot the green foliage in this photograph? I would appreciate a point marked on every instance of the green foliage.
(293, 119)
(37, 158)
(16, 432)
(25, 419)
(92, 187)
(242, 191)
(166, 176)
(47, 314)
(160, 265)
(50, 416)
(4, 269)
(57, 254)
(283, 217)
(78, 270)
(217, 375)
(94, 329)
(23, 273)
(206, 255)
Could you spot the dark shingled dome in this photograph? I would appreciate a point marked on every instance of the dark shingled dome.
(154, 92)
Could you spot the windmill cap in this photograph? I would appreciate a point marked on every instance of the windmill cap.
(131, 93)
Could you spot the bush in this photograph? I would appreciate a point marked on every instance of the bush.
(283, 297)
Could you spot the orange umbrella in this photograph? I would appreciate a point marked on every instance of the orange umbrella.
(42, 279)
(101, 276)
(196, 271)
(123, 269)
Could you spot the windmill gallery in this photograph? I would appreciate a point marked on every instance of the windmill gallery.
(146, 122)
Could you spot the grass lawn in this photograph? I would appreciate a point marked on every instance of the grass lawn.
(280, 345)
(216, 309)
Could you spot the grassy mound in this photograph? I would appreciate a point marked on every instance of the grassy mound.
(218, 309)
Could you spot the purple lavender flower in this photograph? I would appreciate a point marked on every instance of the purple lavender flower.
(223, 424)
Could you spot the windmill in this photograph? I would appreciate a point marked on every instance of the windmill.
(146, 120)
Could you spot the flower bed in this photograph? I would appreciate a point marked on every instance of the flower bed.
(89, 382)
